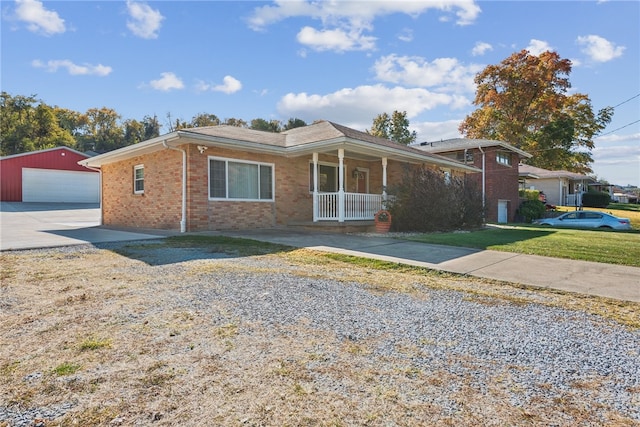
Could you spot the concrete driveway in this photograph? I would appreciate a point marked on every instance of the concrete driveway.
(37, 225)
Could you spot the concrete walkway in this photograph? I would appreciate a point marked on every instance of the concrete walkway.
(37, 225)
(592, 278)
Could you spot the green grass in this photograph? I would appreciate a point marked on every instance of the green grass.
(66, 369)
(600, 246)
(224, 244)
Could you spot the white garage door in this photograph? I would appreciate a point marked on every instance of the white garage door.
(47, 185)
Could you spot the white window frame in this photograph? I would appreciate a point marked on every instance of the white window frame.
(503, 158)
(137, 168)
(228, 160)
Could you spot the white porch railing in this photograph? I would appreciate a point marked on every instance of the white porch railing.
(574, 199)
(357, 206)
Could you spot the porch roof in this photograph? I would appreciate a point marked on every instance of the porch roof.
(320, 137)
(528, 171)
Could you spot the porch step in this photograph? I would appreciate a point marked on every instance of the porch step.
(334, 226)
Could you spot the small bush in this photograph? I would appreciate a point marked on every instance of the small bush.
(426, 201)
(531, 209)
(596, 199)
(529, 194)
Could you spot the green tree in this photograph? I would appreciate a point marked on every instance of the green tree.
(235, 122)
(204, 119)
(27, 124)
(102, 132)
(151, 127)
(523, 101)
(267, 126)
(293, 123)
(394, 127)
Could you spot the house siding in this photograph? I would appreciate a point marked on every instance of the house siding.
(160, 205)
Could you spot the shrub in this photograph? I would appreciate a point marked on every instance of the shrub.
(529, 194)
(531, 209)
(596, 199)
(425, 201)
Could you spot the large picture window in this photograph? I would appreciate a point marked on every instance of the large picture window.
(232, 179)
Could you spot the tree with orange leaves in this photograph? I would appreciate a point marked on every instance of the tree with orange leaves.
(523, 101)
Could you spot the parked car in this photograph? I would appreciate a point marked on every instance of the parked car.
(586, 219)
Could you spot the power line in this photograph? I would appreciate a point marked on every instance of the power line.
(622, 127)
(624, 102)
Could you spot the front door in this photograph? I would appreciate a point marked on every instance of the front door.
(362, 182)
(503, 211)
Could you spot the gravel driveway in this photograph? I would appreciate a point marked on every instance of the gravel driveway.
(156, 335)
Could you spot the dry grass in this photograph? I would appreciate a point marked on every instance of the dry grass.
(103, 334)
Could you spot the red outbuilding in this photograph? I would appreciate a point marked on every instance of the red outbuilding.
(51, 175)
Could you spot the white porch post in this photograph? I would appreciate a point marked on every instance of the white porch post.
(341, 185)
(384, 182)
(315, 187)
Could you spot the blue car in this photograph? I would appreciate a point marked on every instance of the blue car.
(586, 219)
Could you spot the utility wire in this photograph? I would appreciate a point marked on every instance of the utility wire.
(624, 102)
(615, 130)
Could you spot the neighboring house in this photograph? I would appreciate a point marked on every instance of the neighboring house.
(225, 177)
(562, 188)
(498, 179)
(51, 175)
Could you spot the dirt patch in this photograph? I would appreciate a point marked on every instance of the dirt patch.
(164, 335)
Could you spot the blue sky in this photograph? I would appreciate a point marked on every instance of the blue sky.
(336, 60)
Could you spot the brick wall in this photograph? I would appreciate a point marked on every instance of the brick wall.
(160, 205)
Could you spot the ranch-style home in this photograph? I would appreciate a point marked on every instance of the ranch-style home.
(226, 177)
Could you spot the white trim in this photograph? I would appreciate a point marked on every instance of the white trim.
(226, 179)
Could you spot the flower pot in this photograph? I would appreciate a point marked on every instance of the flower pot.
(382, 220)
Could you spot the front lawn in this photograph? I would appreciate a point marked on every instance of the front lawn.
(600, 246)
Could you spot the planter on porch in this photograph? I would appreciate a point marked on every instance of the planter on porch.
(382, 220)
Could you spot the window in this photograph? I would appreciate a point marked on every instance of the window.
(503, 158)
(138, 179)
(465, 156)
(231, 179)
(327, 178)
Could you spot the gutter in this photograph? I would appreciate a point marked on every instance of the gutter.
(483, 182)
(183, 219)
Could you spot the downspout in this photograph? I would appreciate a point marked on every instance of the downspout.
(483, 183)
(100, 187)
(183, 220)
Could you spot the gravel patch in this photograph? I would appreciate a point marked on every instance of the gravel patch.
(428, 347)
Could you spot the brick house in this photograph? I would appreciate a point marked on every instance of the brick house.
(498, 177)
(225, 177)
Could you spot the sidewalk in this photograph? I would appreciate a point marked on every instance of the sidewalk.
(592, 278)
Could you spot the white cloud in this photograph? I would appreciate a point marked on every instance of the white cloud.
(145, 22)
(406, 35)
(343, 22)
(445, 74)
(167, 81)
(336, 40)
(599, 49)
(481, 48)
(73, 69)
(39, 19)
(536, 47)
(436, 131)
(358, 106)
(229, 85)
